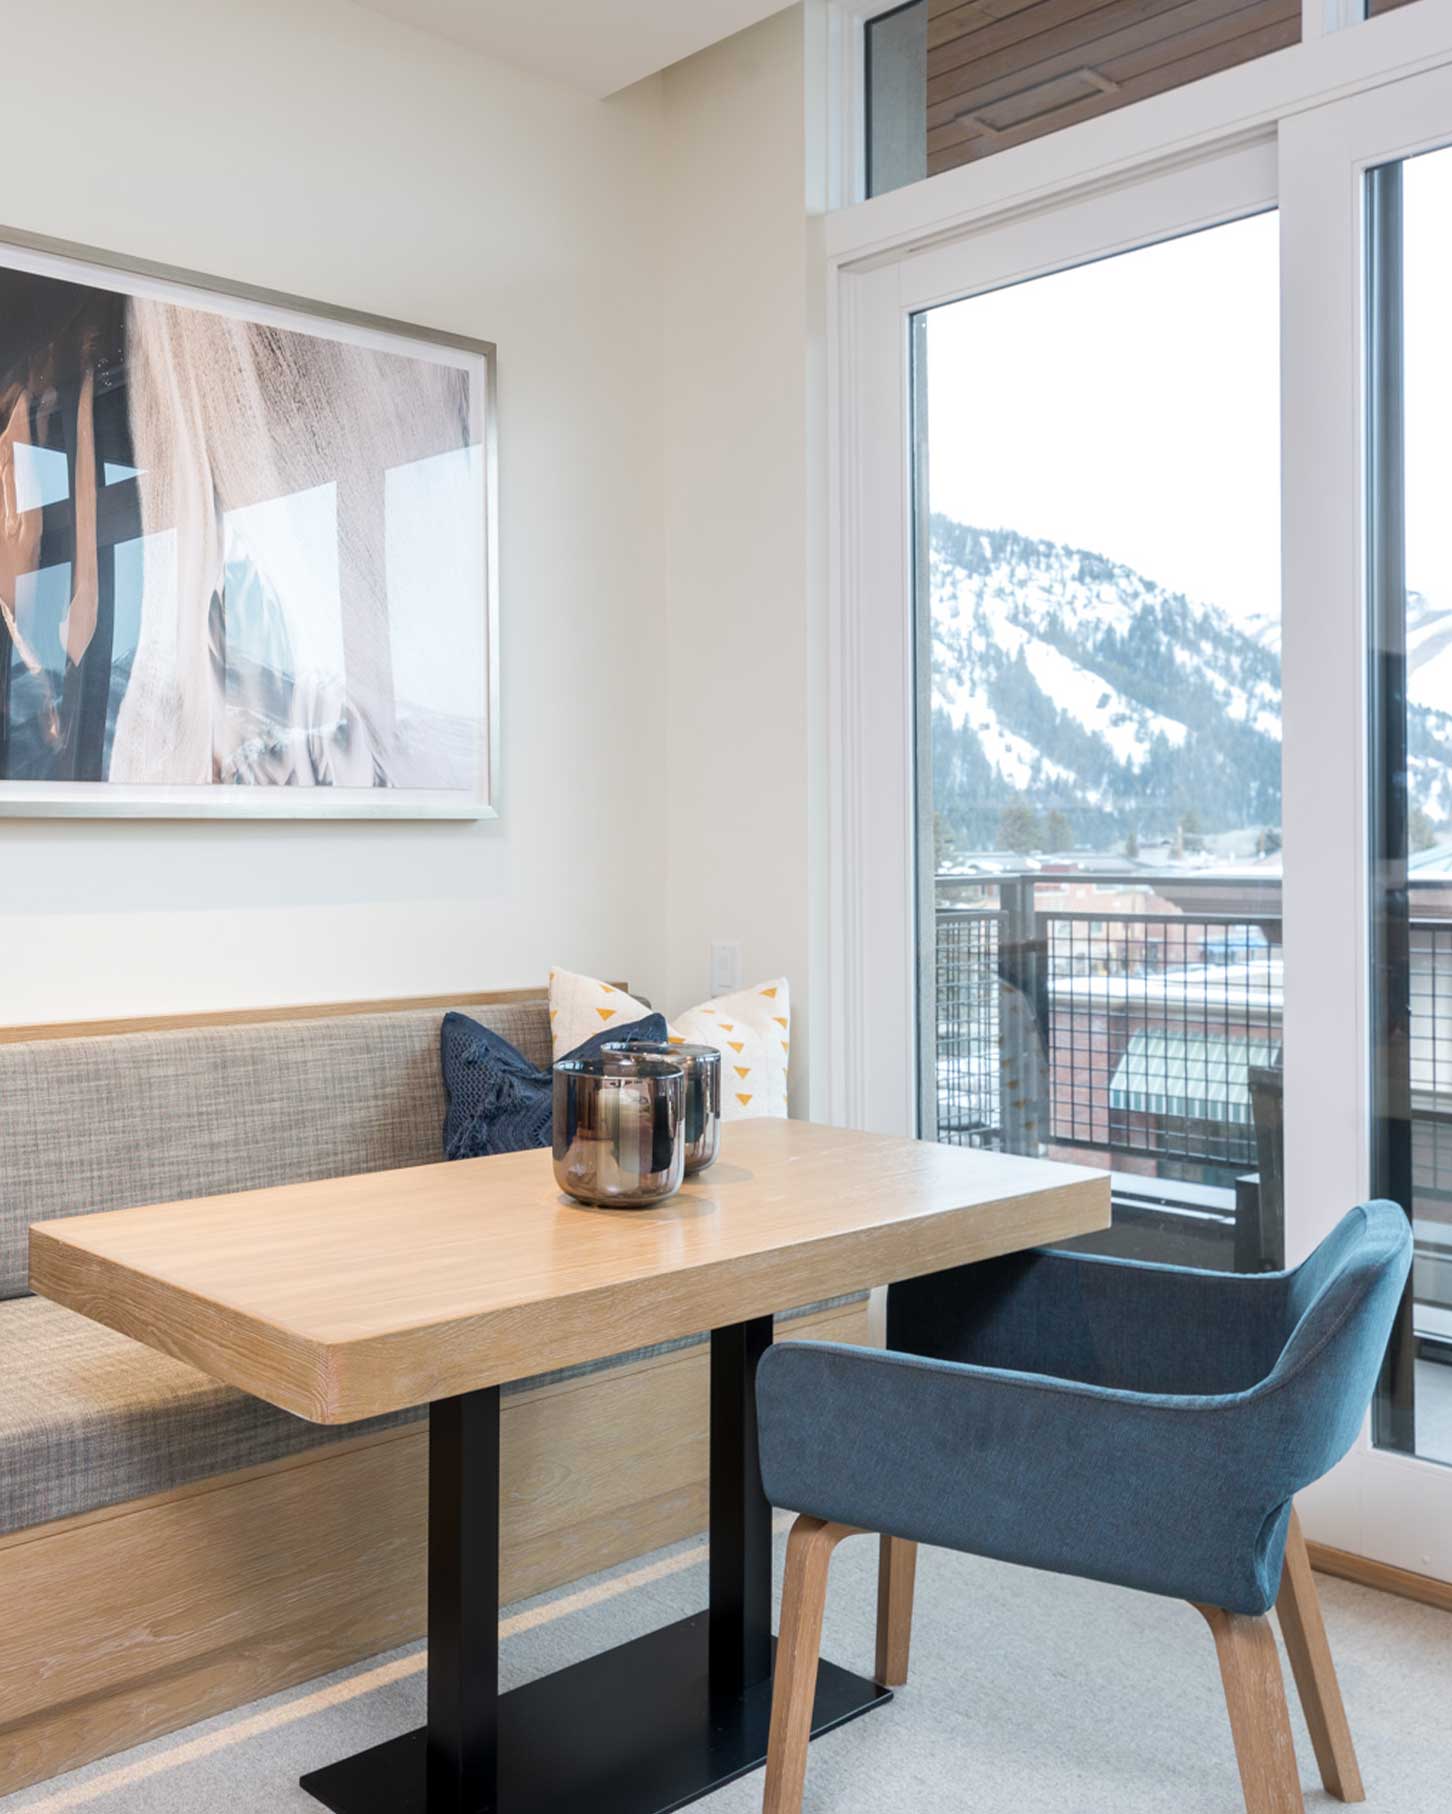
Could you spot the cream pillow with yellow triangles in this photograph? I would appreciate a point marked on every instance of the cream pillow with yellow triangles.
(751, 1029)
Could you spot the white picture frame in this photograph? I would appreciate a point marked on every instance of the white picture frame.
(280, 599)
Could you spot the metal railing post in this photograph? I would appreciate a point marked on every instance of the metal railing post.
(1022, 1020)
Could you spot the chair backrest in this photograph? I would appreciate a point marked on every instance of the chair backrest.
(1340, 1305)
(126, 1119)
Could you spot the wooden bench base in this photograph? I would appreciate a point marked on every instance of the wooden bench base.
(130, 1622)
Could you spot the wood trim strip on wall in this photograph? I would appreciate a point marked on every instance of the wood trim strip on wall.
(242, 1017)
(1383, 1576)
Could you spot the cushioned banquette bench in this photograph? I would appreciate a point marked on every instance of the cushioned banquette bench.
(170, 1547)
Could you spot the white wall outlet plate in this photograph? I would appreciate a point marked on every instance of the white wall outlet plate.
(725, 967)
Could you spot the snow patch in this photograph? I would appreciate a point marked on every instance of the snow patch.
(1103, 711)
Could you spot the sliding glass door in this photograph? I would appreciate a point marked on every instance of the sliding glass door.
(1142, 679)
(1097, 531)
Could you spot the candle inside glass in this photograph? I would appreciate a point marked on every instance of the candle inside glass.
(702, 1067)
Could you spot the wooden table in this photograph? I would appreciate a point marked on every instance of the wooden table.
(351, 1297)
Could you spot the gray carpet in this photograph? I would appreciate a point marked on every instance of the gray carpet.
(1030, 1695)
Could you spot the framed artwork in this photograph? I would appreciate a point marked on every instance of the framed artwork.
(247, 551)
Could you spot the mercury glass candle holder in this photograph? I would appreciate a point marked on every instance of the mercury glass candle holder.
(702, 1066)
(619, 1128)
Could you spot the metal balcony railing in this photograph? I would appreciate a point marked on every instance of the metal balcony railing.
(1069, 1019)
(1127, 1015)
(1134, 1021)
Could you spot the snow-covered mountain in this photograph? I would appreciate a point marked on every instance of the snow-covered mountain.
(1069, 684)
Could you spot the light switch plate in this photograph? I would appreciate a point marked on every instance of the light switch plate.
(725, 967)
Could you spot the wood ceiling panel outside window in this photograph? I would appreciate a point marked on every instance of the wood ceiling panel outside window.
(950, 81)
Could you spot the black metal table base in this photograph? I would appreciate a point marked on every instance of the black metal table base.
(635, 1730)
(650, 1726)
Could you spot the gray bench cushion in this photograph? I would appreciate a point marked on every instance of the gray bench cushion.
(136, 1118)
(90, 1418)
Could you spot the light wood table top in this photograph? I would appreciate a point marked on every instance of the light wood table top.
(350, 1297)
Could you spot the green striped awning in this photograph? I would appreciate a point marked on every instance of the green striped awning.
(1194, 1077)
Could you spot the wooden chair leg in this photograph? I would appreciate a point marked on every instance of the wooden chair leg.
(1299, 1610)
(1260, 1721)
(804, 1599)
(897, 1565)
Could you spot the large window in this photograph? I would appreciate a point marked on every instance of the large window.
(1099, 614)
(1409, 206)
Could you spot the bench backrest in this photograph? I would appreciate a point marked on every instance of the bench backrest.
(125, 1119)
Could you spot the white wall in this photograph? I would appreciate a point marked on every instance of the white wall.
(741, 351)
(325, 151)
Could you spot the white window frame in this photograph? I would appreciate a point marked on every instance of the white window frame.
(846, 37)
(1300, 126)
(1179, 124)
(1397, 1508)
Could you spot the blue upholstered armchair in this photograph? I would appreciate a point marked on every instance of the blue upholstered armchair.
(1142, 1425)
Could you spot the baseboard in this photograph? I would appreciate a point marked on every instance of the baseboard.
(1382, 1575)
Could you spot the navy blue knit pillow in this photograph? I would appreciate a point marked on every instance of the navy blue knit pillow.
(498, 1101)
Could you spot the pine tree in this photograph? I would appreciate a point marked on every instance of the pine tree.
(944, 845)
(1058, 832)
(1018, 828)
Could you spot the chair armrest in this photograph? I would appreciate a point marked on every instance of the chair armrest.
(1102, 1321)
(1168, 1494)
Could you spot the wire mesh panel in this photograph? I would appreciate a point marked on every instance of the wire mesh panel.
(1146, 1025)
(1155, 1023)
(1430, 1040)
(968, 1025)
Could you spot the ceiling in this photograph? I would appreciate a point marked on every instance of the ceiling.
(596, 46)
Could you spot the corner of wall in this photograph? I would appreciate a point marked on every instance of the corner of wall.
(744, 695)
